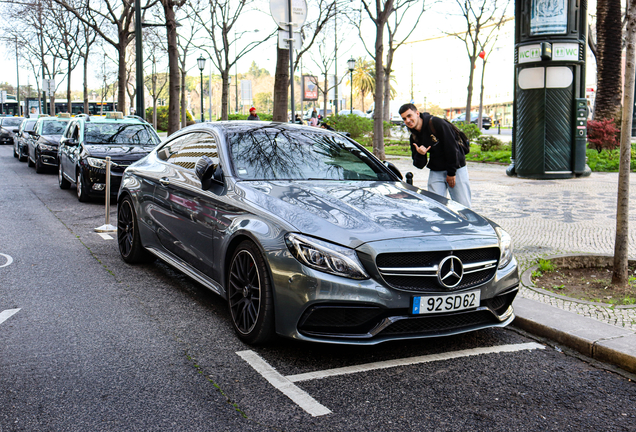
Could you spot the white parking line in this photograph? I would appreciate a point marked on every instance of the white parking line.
(297, 395)
(309, 404)
(105, 236)
(412, 361)
(8, 258)
(6, 314)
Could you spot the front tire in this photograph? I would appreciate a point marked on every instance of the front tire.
(21, 156)
(29, 162)
(249, 295)
(128, 239)
(82, 192)
(39, 166)
(64, 184)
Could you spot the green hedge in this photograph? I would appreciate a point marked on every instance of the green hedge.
(162, 117)
(264, 117)
(357, 126)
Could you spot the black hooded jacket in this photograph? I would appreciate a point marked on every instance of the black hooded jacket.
(445, 155)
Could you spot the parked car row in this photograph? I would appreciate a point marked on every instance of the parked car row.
(77, 148)
(301, 230)
(486, 122)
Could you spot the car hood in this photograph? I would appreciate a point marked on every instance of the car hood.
(50, 139)
(119, 151)
(352, 213)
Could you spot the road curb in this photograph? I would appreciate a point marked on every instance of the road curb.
(592, 338)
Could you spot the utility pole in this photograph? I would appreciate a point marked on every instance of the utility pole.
(139, 105)
(17, 70)
(291, 56)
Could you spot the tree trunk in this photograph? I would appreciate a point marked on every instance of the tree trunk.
(69, 102)
(86, 107)
(469, 89)
(621, 244)
(608, 60)
(154, 100)
(225, 94)
(122, 80)
(184, 104)
(281, 83)
(481, 96)
(173, 67)
(378, 124)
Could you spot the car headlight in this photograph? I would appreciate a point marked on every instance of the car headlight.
(326, 257)
(505, 245)
(96, 163)
(46, 147)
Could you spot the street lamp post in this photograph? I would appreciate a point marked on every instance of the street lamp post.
(351, 63)
(201, 64)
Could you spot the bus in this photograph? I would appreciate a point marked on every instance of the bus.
(95, 107)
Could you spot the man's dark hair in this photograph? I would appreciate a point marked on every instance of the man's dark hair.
(406, 107)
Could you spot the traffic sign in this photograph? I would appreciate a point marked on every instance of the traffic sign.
(280, 12)
(283, 40)
(3, 96)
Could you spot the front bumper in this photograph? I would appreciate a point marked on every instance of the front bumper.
(95, 181)
(319, 307)
(48, 157)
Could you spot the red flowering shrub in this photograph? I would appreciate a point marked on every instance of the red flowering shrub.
(602, 135)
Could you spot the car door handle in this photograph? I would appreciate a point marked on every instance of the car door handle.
(164, 181)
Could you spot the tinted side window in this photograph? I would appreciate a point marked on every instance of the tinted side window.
(198, 145)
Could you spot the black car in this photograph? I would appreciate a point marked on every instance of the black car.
(89, 140)
(42, 149)
(22, 138)
(8, 128)
(486, 122)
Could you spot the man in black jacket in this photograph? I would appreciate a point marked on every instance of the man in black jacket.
(433, 136)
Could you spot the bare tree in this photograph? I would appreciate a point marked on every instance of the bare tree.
(483, 18)
(324, 63)
(155, 82)
(220, 22)
(621, 243)
(113, 21)
(380, 16)
(402, 9)
(326, 10)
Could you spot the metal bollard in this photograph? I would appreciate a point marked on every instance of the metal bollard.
(107, 227)
(409, 178)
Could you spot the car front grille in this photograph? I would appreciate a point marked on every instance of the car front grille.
(440, 324)
(417, 271)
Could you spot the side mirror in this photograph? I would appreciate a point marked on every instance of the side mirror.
(68, 141)
(208, 172)
(393, 168)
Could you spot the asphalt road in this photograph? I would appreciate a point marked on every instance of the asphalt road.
(99, 345)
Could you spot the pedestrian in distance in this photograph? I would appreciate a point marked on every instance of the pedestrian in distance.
(313, 121)
(435, 137)
(253, 115)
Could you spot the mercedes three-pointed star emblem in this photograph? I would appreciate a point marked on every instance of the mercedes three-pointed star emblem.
(450, 272)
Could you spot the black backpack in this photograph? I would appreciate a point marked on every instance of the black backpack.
(460, 136)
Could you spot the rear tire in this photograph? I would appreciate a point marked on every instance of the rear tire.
(128, 239)
(249, 295)
(22, 157)
(30, 162)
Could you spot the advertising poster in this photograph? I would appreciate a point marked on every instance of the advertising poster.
(33, 108)
(310, 89)
(548, 17)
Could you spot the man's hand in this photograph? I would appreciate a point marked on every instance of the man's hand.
(450, 180)
(421, 150)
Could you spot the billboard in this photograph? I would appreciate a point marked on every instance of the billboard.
(310, 89)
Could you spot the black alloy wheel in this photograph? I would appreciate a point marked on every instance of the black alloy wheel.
(128, 240)
(82, 192)
(15, 150)
(249, 295)
(64, 184)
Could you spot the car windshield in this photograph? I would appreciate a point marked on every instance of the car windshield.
(119, 133)
(53, 127)
(8, 122)
(28, 125)
(279, 154)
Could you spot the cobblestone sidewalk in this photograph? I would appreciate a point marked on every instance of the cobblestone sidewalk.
(550, 217)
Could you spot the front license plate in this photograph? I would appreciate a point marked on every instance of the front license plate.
(445, 303)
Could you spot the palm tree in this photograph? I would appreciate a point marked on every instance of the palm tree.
(364, 78)
(609, 49)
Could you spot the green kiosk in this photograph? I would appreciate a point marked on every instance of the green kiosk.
(550, 108)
